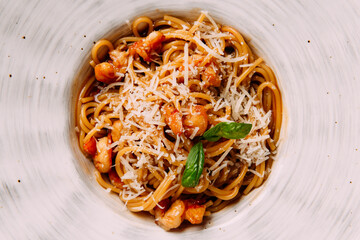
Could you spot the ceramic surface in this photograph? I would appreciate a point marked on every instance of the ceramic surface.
(47, 187)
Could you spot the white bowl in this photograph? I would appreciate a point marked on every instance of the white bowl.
(313, 190)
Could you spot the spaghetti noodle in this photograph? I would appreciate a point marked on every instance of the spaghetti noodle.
(151, 99)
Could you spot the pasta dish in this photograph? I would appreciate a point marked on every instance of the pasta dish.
(180, 118)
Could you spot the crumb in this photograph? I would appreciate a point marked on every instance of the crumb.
(10, 75)
(82, 49)
(308, 41)
(23, 37)
(273, 25)
(84, 36)
(19, 180)
(350, 181)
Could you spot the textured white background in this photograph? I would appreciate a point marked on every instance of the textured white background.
(314, 189)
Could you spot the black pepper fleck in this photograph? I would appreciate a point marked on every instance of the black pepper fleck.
(10, 75)
(19, 180)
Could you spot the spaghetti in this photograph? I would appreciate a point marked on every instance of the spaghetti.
(155, 94)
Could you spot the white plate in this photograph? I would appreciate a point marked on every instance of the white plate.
(47, 187)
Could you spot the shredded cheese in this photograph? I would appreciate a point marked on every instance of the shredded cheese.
(186, 64)
(214, 54)
(219, 161)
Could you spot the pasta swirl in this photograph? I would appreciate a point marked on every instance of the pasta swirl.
(151, 98)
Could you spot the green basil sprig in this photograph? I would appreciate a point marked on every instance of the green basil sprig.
(229, 130)
(194, 166)
(195, 160)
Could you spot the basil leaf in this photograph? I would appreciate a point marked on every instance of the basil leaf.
(194, 166)
(229, 130)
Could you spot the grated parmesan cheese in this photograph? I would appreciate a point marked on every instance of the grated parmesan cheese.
(216, 55)
(186, 63)
(218, 162)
